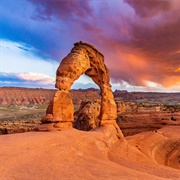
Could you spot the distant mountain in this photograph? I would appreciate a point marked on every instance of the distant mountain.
(31, 96)
(148, 97)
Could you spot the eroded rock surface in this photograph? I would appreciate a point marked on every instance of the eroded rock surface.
(83, 58)
(162, 146)
(86, 117)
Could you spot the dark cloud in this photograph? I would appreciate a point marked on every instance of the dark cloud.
(149, 8)
(163, 37)
(159, 41)
(23, 48)
(63, 9)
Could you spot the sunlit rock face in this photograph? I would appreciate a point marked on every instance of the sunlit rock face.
(83, 58)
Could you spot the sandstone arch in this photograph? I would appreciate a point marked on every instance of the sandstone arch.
(83, 58)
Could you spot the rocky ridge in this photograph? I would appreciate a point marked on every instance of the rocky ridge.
(17, 96)
(148, 97)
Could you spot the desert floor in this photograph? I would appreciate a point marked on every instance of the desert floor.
(97, 154)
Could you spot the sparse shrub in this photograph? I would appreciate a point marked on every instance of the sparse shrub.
(173, 119)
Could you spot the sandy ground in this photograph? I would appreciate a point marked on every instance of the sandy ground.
(74, 154)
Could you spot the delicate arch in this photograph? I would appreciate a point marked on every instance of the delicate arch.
(83, 58)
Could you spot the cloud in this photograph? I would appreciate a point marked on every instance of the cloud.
(45, 9)
(150, 49)
(149, 8)
(36, 78)
(148, 87)
(15, 59)
(156, 39)
(17, 25)
(27, 79)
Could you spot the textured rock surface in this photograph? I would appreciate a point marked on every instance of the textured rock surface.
(121, 107)
(132, 118)
(59, 114)
(86, 117)
(162, 146)
(83, 58)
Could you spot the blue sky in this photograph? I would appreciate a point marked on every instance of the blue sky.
(140, 41)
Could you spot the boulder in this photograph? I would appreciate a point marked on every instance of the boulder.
(87, 115)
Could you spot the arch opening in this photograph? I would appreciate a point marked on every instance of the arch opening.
(84, 82)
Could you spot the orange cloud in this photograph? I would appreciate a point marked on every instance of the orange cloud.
(135, 66)
(171, 81)
(177, 70)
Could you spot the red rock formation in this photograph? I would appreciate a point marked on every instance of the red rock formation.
(83, 58)
(121, 107)
(86, 117)
(14, 96)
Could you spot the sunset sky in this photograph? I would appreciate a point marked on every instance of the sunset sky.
(140, 40)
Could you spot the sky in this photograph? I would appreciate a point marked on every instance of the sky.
(140, 40)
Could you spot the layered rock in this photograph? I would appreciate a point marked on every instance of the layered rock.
(121, 107)
(125, 107)
(14, 96)
(83, 58)
(162, 146)
(38, 96)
